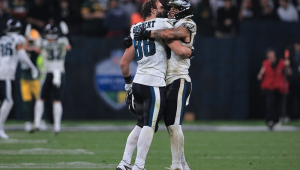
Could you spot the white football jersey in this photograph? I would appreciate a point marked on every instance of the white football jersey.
(151, 54)
(177, 66)
(8, 55)
(54, 54)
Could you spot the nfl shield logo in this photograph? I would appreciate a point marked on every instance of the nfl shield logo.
(109, 81)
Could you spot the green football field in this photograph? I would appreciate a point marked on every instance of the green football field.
(103, 150)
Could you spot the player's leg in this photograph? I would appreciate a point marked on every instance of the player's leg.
(26, 105)
(153, 105)
(39, 104)
(36, 90)
(176, 98)
(6, 107)
(132, 139)
(57, 106)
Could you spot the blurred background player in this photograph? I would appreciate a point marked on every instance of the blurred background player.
(293, 104)
(273, 84)
(54, 48)
(12, 51)
(30, 87)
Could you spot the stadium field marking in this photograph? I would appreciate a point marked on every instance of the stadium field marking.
(61, 165)
(106, 128)
(24, 141)
(45, 151)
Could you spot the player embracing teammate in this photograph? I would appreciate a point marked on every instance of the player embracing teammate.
(178, 83)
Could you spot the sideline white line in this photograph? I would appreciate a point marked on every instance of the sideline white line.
(46, 151)
(62, 165)
(163, 128)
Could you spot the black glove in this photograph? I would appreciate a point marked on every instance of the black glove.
(127, 42)
(143, 34)
(129, 102)
(193, 53)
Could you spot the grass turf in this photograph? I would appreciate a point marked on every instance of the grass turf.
(204, 150)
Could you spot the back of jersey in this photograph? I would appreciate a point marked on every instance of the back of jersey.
(54, 54)
(151, 54)
(177, 66)
(8, 55)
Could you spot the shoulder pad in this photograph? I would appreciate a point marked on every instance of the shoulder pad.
(20, 39)
(187, 23)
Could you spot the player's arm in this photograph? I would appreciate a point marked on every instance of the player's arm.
(180, 50)
(34, 48)
(24, 58)
(125, 67)
(166, 34)
(68, 47)
(125, 61)
(261, 73)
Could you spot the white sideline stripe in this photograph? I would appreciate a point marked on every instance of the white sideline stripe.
(46, 151)
(23, 141)
(163, 128)
(62, 165)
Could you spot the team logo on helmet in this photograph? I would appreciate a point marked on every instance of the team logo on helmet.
(109, 81)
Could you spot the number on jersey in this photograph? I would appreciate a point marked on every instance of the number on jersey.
(148, 48)
(6, 49)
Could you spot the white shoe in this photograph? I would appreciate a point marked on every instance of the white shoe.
(124, 166)
(185, 166)
(3, 135)
(175, 167)
(43, 126)
(56, 128)
(137, 168)
(28, 127)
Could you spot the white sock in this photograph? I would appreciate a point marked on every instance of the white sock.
(4, 111)
(183, 156)
(57, 113)
(131, 144)
(143, 146)
(177, 142)
(38, 113)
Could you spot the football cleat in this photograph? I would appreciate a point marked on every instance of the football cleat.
(28, 127)
(185, 166)
(3, 135)
(124, 166)
(135, 167)
(175, 167)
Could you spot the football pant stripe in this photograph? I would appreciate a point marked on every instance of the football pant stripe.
(180, 103)
(155, 106)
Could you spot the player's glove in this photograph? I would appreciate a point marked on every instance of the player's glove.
(193, 53)
(127, 42)
(34, 73)
(129, 99)
(128, 87)
(143, 34)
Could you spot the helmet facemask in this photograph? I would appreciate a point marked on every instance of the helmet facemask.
(184, 9)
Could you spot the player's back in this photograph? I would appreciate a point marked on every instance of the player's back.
(54, 53)
(8, 55)
(177, 66)
(151, 54)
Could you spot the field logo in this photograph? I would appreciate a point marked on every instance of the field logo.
(109, 81)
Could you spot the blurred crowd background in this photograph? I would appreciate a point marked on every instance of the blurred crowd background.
(231, 43)
(110, 18)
